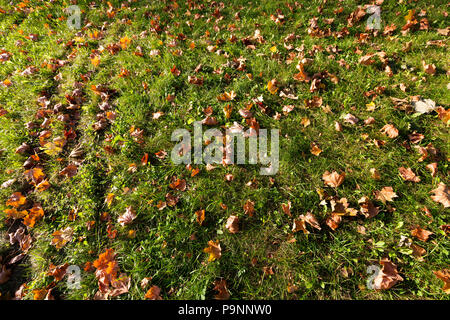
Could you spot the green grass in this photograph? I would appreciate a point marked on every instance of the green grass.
(162, 248)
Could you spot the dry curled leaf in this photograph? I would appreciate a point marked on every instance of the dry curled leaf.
(232, 224)
(62, 237)
(214, 250)
(200, 216)
(222, 291)
(299, 224)
(249, 208)
(153, 293)
(333, 221)
(127, 217)
(390, 131)
(311, 220)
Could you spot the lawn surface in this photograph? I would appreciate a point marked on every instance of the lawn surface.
(86, 118)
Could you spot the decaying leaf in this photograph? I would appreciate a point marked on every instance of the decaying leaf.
(222, 291)
(232, 224)
(333, 221)
(387, 277)
(249, 208)
(62, 237)
(421, 234)
(333, 179)
(390, 131)
(153, 293)
(385, 194)
(444, 275)
(441, 195)
(408, 175)
(127, 217)
(200, 214)
(214, 250)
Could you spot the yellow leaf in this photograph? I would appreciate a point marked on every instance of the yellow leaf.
(52, 149)
(271, 86)
(95, 61)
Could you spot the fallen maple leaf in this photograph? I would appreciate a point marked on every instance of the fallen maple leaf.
(272, 86)
(179, 184)
(433, 168)
(311, 220)
(408, 174)
(349, 118)
(421, 234)
(387, 277)
(315, 149)
(16, 200)
(69, 171)
(385, 194)
(34, 215)
(441, 195)
(368, 209)
(299, 224)
(444, 275)
(333, 179)
(58, 272)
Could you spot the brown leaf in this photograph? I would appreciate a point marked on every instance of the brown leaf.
(368, 209)
(333, 179)
(127, 217)
(444, 275)
(433, 168)
(315, 149)
(214, 250)
(286, 207)
(390, 131)
(299, 224)
(5, 274)
(333, 221)
(200, 216)
(222, 292)
(349, 118)
(387, 277)
(232, 224)
(418, 251)
(249, 208)
(408, 174)
(179, 184)
(441, 195)
(385, 194)
(153, 293)
(16, 200)
(69, 171)
(421, 234)
(62, 237)
(311, 220)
